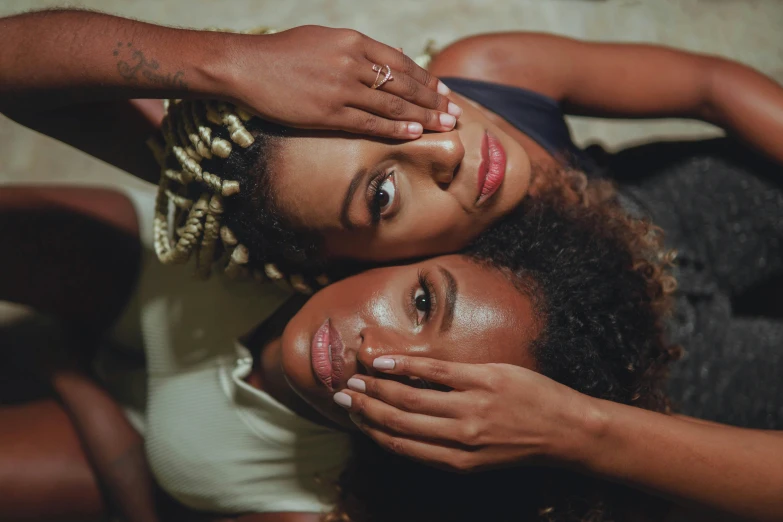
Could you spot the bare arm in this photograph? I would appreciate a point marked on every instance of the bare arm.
(627, 80)
(112, 445)
(722, 468)
(72, 61)
(499, 414)
(59, 58)
(115, 132)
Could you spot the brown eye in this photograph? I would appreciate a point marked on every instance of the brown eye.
(423, 304)
(385, 195)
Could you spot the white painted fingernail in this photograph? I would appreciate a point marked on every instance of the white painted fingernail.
(454, 110)
(343, 399)
(442, 89)
(383, 363)
(415, 129)
(357, 384)
(447, 120)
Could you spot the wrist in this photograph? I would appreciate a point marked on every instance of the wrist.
(225, 70)
(212, 64)
(583, 428)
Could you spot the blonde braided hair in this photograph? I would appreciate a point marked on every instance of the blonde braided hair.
(195, 230)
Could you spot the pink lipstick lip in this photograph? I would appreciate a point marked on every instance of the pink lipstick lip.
(483, 168)
(326, 355)
(492, 170)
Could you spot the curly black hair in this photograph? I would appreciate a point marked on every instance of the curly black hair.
(599, 284)
(254, 214)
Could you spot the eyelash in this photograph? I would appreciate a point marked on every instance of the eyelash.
(375, 185)
(427, 285)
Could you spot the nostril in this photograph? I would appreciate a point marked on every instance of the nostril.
(445, 179)
(361, 369)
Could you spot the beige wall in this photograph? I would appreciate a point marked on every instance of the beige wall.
(747, 30)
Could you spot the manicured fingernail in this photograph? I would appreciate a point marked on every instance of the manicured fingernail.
(454, 110)
(383, 363)
(357, 385)
(447, 120)
(343, 399)
(356, 419)
(442, 89)
(414, 129)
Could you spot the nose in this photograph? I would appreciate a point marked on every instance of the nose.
(376, 342)
(442, 154)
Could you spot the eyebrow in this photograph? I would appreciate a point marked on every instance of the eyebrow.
(451, 299)
(349, 195)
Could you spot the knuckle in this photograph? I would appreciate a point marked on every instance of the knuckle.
(396, 446)
(462, 463)
(438, 101)
(410, 86)
(370, 124)
(345, 62)
(403, 365)
(410, 401)
(493, 381)
(483, 404)
(438, 371)
(408, 66)
(431, 119)
(471, 433)
(426, 77)
(395, 423)
(351, 37)
(359, 406)
(373, 388)
(396, 106)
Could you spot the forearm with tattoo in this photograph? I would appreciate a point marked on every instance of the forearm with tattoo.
(56, 58)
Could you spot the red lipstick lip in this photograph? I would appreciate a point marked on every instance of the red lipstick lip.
(326, 356)
(492, 170)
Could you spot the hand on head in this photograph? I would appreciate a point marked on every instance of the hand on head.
(494, 415)
(322, 78)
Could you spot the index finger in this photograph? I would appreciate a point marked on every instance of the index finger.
(460, 376)
(399, 61)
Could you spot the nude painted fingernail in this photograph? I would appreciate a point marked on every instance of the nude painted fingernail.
(383, 363)
(442, 89)
(357, 385)
(415, 129)
(342, 399)
(454, 110)
(447, 120)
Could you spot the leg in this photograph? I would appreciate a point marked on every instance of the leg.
(44, 474)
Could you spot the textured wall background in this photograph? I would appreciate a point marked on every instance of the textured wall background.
(747, 30)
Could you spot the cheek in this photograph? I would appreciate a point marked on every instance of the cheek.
(428, 229)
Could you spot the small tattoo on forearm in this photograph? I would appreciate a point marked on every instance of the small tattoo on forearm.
(138, 67)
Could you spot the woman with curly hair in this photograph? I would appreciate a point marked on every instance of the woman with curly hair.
(573, 291)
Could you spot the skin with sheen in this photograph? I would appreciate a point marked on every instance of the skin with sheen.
(409, 199)
(447, 308)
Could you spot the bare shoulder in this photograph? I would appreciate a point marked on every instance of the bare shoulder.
(535, 61)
